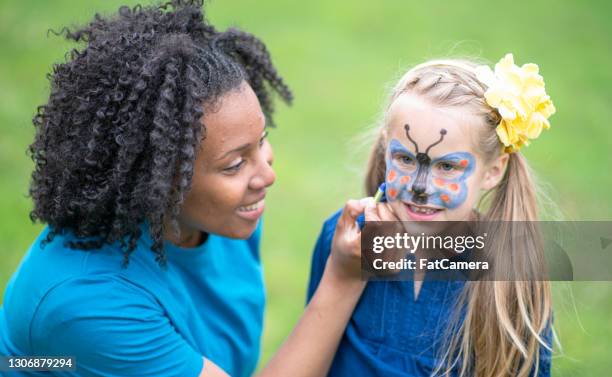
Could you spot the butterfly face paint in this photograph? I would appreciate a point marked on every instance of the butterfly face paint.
(419, 179)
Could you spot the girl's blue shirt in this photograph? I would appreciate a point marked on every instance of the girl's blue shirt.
(142, 320)
(391, 333)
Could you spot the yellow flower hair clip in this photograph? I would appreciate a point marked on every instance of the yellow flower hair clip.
(519, 96)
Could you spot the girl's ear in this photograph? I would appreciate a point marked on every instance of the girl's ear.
(495, 172)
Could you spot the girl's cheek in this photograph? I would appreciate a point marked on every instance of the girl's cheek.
(469, 201)
(397, 184)
(473, 191)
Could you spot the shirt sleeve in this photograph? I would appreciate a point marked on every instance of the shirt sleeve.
(113, 328)
(321, 253)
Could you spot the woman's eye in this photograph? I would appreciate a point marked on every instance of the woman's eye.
(234, 167)
(263, 138)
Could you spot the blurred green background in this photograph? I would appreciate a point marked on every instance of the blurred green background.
(340, 57)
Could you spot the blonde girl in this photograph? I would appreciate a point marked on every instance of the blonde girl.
(448, 150)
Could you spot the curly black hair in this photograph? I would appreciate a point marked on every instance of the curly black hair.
(116, 141)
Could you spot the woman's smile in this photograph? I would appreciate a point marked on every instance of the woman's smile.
(252, 211)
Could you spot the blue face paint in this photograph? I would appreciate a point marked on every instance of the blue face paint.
(416, 178)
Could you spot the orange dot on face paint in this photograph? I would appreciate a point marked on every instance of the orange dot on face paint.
(392, 192)
(463, 163)
(405, 179)
(453, 187)
(391, 176)
(444, 197)
(439, 182)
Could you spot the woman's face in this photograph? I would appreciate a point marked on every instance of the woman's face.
(433, 171)
(232, 169)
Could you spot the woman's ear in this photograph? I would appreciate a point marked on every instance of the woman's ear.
(495, 172)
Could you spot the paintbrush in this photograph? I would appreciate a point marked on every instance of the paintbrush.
(380, 193)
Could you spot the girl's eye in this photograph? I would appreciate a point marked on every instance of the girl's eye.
(447, 169)
(406, 160)
(234, 167)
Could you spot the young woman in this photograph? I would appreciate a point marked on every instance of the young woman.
(151, 169)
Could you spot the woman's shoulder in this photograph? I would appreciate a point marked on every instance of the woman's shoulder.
(50, 260)
(37, 306)
(110, 325)
(50, 266)
(102, 296)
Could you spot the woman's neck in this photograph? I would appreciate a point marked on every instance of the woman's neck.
(187, 237)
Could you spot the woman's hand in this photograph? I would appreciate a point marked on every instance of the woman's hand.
(345, 258)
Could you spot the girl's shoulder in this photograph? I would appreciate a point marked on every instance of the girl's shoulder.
(329, 225)
(321, 251)
(323, 245)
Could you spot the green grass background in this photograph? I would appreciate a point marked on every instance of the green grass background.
(340, 58)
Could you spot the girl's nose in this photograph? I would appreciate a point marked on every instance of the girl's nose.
(419, 188)
(419, 193)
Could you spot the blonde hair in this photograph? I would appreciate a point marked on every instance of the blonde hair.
(500, 333)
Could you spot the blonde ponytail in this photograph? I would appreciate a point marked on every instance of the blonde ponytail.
(505, 320)
(514, 199)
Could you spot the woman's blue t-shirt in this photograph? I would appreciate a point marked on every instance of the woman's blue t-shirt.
(142, 320)
(391, 333)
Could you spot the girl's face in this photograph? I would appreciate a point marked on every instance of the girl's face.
(433, 171)
(231, 171)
